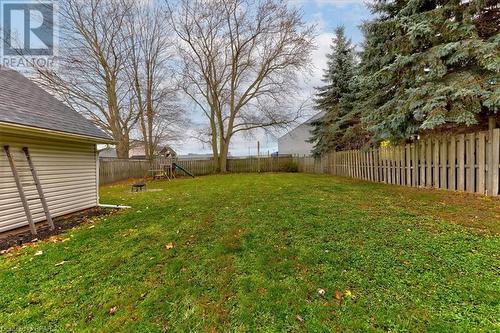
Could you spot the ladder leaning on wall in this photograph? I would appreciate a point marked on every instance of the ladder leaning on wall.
(25, 201)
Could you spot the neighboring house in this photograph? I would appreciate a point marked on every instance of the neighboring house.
(295, 141)
(107, 152)
(62, 146)
(139, 153)
(194, 156)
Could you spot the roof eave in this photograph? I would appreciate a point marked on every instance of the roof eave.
(12, 128)
(306, 122)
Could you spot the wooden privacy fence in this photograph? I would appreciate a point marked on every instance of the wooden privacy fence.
(112, 169)
(466, 162)
(236, 165)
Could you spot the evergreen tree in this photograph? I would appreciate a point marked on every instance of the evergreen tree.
(429, 63)
(337, 78)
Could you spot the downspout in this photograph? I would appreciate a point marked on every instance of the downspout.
(114, 206)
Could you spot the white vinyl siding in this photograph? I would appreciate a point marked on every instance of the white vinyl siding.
(295, 142)
(67, 172)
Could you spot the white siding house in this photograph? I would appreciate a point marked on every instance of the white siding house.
(295, 141)
(62, 146)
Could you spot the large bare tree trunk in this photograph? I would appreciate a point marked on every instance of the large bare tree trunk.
(122, 147)
(223, 158)
(240, 64)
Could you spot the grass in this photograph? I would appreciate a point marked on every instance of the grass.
(250, 253)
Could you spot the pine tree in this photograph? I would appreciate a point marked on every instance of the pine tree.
(337, 79)
(429, 63)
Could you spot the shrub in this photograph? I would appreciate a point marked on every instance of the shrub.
(289, 166)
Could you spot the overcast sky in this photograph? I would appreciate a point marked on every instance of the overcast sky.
(326, 15)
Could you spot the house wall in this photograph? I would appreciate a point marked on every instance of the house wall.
(295, 143)
(67, 171)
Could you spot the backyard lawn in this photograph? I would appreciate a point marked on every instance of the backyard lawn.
(270, 252)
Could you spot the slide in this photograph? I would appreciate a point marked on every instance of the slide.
(182, 169)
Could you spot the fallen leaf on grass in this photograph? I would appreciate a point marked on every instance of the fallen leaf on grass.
(7, 251)
(170, 245)
(299, 318)
(321, 292)
(55, 239)
(60, 263)
(338, 295)
(38, 253)
(113, 310)
(348, 293)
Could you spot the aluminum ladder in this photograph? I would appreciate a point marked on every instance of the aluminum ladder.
(25, 201)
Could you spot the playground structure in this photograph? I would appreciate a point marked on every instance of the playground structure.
(165, 167)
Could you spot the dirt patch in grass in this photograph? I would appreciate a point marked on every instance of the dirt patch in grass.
(23, 235)
(473, 211)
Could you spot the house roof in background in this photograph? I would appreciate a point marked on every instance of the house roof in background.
(23, 102)
(108, 152)
(305, 123)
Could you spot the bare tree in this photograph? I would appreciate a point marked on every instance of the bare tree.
(92, 59)
(240, 60)
(150, 56)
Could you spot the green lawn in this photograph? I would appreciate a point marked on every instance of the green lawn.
(250, 253)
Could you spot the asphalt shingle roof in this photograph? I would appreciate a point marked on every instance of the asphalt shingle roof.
(24, 102)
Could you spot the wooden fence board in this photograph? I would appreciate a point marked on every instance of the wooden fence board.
(385, 164)
(443, 159)
(414, 164)
(435, 163)
(408, 165)
(393, 164)
(428, 164)
(481, 163)
(421, 163)
(461, 163)
(397, 165)
(452, 161)
(470, 166)
(495, 164)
